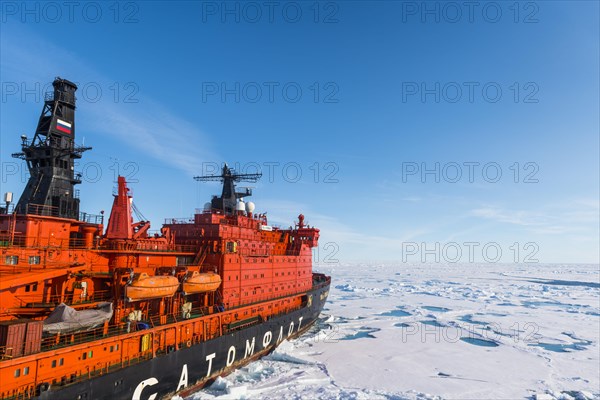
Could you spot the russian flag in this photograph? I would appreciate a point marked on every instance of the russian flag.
(63, 126)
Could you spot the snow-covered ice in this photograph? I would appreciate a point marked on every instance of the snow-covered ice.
(433, 331)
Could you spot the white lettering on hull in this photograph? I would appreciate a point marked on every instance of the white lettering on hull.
(137, 393)
(267, 339)
(230, 356)
(209, 358)
(183, 380)
(231, 353)
(249, 347)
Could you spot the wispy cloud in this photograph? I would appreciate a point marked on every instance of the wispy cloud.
(573, 216)
(157, 133)
(519, 217)
(411, 199)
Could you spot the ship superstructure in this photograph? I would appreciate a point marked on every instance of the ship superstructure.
(82, 307)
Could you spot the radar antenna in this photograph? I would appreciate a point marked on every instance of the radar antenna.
(229, 196)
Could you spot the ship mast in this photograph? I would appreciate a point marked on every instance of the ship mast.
(229, 196)
(50, 157)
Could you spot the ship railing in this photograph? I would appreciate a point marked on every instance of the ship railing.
(51, 211)
(257, 299)
(147, 246)
(69, 339)
(91, 218)
(166, 319)
(185, 248)
(28, 267)
(63, 340)
(41, 209)
(14, 240)
(159, 320)
(29, 300)
(8, 210)
(174, 221)
(19, 240)
(232, 221)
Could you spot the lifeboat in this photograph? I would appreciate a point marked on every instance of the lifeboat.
(150, 287)
(201, 282)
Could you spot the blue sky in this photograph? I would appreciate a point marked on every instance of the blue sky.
(366, 93)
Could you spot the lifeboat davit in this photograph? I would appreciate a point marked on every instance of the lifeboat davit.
(201, 282)
(151, 287)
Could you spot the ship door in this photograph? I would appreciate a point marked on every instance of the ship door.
(146, 342)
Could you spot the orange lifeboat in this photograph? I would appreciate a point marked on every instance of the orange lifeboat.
(199, 283)
(150, 287)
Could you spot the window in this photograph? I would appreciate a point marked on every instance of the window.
(11, 260)
(62, 361)
(25, 371)
(34, 260)
(53, 363)
(17, 372)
